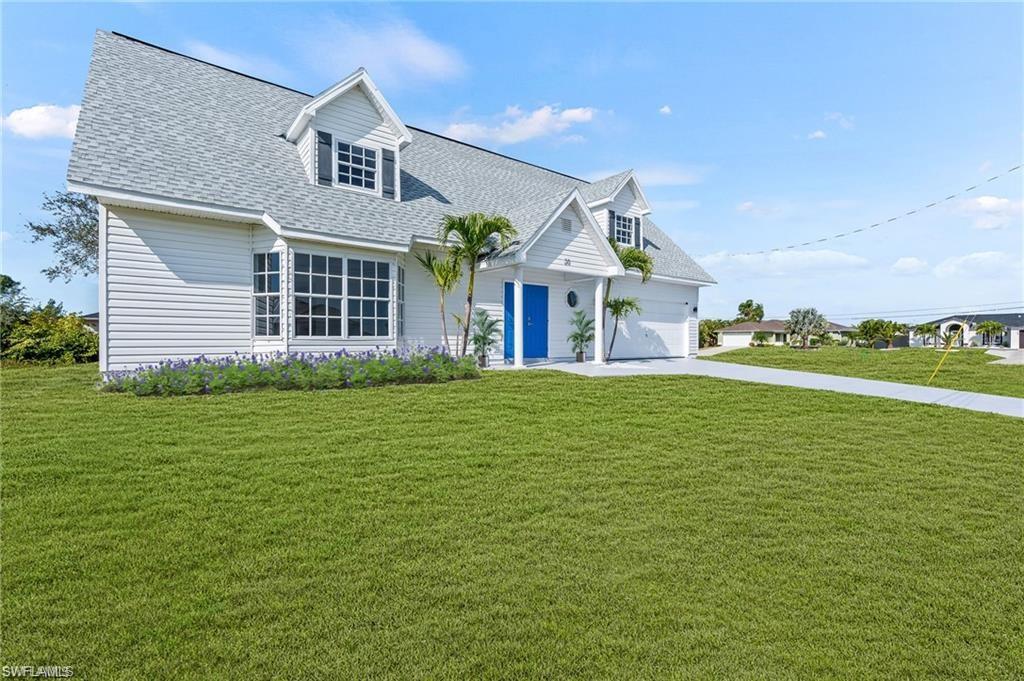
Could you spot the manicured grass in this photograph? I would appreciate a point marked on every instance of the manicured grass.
(965, 369)
(528, 524)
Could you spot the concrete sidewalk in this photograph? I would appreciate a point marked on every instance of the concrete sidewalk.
(993, 404)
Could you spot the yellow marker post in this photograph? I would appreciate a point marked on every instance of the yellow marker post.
(949, 347)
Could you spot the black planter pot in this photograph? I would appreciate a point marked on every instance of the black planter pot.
(482, 361)
(581, 357)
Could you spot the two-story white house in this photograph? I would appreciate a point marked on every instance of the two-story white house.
(237, 215)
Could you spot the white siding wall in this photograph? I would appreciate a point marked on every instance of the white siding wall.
(571, 250)
(305, 145)
(175, 287)
(422, 306)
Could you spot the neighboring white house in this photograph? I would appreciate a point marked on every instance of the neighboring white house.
(1012, 336)
(241, 216)
(742, 334)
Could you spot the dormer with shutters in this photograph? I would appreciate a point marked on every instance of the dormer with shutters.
(621, 212)
(350, 139)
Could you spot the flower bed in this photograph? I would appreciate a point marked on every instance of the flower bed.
(291, 371)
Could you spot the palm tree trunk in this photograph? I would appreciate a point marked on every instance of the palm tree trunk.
(607, 297)
(469, 308)
(615, 330)
(444, 327)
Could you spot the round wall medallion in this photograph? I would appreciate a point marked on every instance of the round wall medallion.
(572, 299)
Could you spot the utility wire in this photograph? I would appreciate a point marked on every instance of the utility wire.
(980, 307)
(895, 218)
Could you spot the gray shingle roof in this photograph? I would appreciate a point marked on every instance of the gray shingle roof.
(157, 122)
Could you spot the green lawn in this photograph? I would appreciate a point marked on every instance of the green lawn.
(528, 524)
(963, 369)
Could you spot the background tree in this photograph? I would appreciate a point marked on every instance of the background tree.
(73, 229)
(620, 308)
(805, 322)
(760, 338)
(949, 338)
(873, 330)
(749, 311)
(989, 328)
(927, 331)
(707, 330)
(446, 274)
(13, 308)
(473, 235)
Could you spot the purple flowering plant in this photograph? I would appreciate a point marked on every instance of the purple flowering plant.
(291, 371)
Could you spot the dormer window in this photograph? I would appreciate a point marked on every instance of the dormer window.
(626, 229)
(357, 166)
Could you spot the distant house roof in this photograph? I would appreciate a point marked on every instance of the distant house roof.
(1012, 319)
(158, 123)
(775, 326)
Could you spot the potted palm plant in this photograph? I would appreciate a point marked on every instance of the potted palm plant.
(582, 333)
(485, 336)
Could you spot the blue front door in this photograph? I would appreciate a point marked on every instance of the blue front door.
(535, 324)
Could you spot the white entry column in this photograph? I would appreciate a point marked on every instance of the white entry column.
(517, 318)
(599, 321)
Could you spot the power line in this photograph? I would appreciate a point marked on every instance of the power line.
(983, 307)
(895, 218)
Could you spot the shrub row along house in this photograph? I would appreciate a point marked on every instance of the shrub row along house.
(742, 334)
(242, 216)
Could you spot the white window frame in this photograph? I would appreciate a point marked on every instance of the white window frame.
(326, 295)
(345, 257)
(399, 301)
(377, 186)
(628, 222)
(375, 299)
(254, 294)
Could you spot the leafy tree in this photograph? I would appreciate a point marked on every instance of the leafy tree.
(74, 230)
(707, 330)
(485, 333)
(582, 331)
(926, 331)
(446, 274)
(473, 236)
(760, 338)
(53, 338)
(620, 308)
(873, 330)
(990, 328)
(805, 322)
(632, 259)
(749, 311)
(13, 308)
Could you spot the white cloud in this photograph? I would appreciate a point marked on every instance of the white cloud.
(4, 235)
(669, 175)
(909, 265)
(845, 122)
(759, 210)
(746, 207)
(394, 51)
(991, 212)
(985, 166)
(666, 110)
(43, 120)
(981, 263)
(515, 125)
(817, 135)
(673, 205)
(781, 263)
(236, 61)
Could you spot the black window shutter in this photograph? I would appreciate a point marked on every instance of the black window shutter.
(324, 168)
(611, 224)
(387, 179)
(636, 233)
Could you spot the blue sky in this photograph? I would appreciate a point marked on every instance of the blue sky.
(751, 126)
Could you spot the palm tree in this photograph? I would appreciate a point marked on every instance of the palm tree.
(620, 308)
(472, 236)
(926, 331)
(989, 328)
(631, 259)
(446, 273)
(485, 334)
(582, 332)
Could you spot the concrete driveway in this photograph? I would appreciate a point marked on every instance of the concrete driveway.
(993, 404)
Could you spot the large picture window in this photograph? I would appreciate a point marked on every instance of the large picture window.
(369, 294)
(318, 295)
(357, 166)
(266, 294)
(624, 229)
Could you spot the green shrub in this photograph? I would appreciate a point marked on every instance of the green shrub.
(294, 371)
(52, 338)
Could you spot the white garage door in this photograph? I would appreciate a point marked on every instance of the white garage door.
(661, 329)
